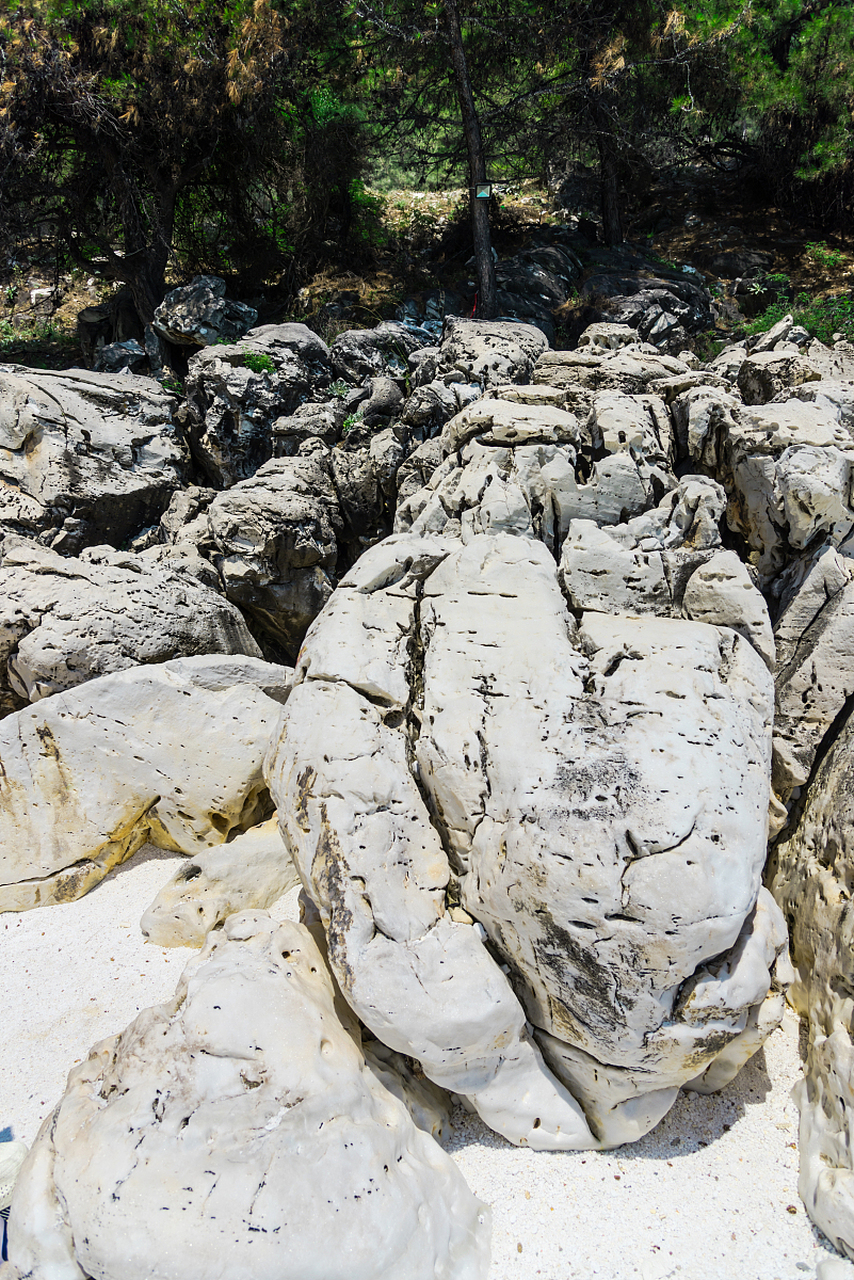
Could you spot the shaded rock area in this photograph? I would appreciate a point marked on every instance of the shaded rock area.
(199, 314)
(84, 457)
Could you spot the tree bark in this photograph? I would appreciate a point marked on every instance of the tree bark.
(612, 225)
(487, 296)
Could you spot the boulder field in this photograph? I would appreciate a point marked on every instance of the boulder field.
(533, 669)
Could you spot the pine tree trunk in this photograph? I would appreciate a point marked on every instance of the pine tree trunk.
(487, 300)
(606, 145)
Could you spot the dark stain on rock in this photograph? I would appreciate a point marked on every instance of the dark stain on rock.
(304, 793)
(329, 874)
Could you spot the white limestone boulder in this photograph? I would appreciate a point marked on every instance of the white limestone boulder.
(85, 457)
(528, 468)
(595, 799)
(815, 662)
(170, 753)
(238, 1130)
(249, 872)
(811, 873)
(65, 620)
(787, 469)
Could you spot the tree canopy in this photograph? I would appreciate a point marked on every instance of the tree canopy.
(231, 134)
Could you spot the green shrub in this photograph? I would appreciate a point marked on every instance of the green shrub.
(825, 258)
(821, 317)
(259, 363)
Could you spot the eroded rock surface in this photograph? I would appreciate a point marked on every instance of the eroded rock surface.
(243, 1119)
(812, 872)
(84, 457)
(169, 753)
(594, 796)
(251, 871)
(65, 620)
(514, 462)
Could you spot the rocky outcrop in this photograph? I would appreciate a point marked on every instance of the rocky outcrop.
(525, 466)
(242, 1118)
(84, 457)
(237, 391)
(198, 314)
(786, 467)
(64, 620)
(593, 797)
(668, 562)
(815, 661)
(811, 874)
(169, 753)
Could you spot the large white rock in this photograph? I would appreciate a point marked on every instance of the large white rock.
(811, 876)
(235, 1131)
(65, 620)
(596, 799)
(251, 871)
(169, 753)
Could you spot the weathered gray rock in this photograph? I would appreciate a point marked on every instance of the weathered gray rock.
(84, 457)
(308, 422)
(602, 796)
(118, 356)
(601, 337)
(236, 392)
(765, 374)
(365, 353)
(811, 876)
(490, 352)
(786, 467)
(627, 369)
(249, 872)
(244, 1107)
(169, 753)
(815, 662)
(276, 536)
(667, 562)
(64, 621)
(528, 468)
(767, 341)
(199, 314)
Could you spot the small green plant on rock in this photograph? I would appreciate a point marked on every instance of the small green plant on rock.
(354, 420)
(259, 363)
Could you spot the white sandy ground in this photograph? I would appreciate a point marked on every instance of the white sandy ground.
(710, 1195)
